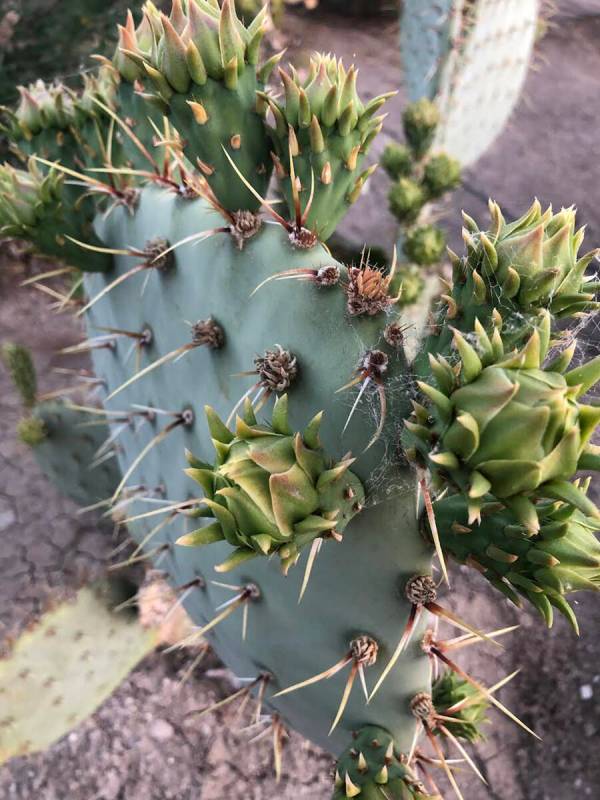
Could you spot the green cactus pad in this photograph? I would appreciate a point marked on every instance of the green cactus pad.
(372, 768)
(428, 30)
(40, 208)
(327, 130)
(509, 427)
(215, 278)
(471, 58)
(561, 558)
(201, 65)
(482, 77)
(64, 667)
(272, 491)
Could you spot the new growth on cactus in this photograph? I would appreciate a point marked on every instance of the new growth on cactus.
(272, 491)
(317, 426)
(420, 177)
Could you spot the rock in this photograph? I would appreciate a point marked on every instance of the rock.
(161, 730)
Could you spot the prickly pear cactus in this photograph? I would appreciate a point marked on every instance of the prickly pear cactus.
(298, 473)
(472, 59)
(62, 668)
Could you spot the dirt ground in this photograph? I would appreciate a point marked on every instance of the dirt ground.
(141, 745)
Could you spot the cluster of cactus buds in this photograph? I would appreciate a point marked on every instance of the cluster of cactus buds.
(420, 177)
(508, 427)
(322, 132)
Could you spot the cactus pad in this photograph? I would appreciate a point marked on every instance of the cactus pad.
(64, 667)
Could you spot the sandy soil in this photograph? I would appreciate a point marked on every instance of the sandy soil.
(142, 745)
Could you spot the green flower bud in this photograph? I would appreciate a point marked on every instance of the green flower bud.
(510, 428)
(407, 199)
(450, 689)
(425, 245)
(397, 160)
(420, 121)
(412, 283)
(272, 491)
(534, 261)
(441, 175)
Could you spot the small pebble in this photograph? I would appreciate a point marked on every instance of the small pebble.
(161, 730)
(586, 692)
